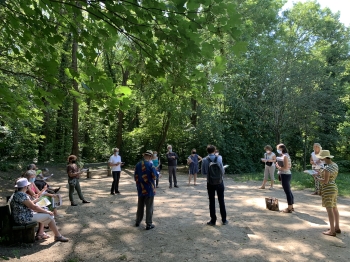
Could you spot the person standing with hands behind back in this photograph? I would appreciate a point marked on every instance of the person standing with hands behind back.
(172, 163)
(115, 162)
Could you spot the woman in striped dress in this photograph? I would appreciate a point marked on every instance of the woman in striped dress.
(330, 192)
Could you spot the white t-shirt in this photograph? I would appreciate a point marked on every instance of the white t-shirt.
(113, 160)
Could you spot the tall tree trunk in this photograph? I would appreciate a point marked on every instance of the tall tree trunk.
(194, 112)
(75, 115)
(166, 124)
(120, 127)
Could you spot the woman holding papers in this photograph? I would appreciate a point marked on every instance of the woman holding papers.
(284, 164)
(25, 211)
(329, 192)
(317, 164)
(269, 160)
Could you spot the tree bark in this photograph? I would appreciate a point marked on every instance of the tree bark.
(194, 112)
(166, 124)
(75, 115)
(120, 127)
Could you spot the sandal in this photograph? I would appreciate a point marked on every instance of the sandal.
(61, 239)
(287, 210)
(338, 231)
(328, 233)
(42, 236)
(262, 187)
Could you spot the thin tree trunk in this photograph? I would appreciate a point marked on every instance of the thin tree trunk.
(120, 127)
(75, 120)
(165, 129)
(194, 112)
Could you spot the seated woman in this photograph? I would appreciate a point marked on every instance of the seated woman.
(42, 183)
(25, 211)
(35, 193)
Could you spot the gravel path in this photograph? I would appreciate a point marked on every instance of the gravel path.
(104, 231)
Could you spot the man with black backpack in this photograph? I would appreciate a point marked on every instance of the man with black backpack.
(213, 168)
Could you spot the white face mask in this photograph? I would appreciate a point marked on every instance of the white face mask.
(170, 150)
(116, 153)
(154, 154)
(279, 151)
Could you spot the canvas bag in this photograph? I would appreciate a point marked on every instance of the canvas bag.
(272, 203)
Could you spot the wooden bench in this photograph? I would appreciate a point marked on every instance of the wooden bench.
(10, 232)
(90, 171)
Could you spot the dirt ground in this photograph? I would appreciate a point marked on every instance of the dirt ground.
(104, 231)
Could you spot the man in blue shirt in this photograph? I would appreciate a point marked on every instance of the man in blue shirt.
(145, 176)
(219, 189)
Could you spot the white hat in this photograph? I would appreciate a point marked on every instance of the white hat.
(22, 182)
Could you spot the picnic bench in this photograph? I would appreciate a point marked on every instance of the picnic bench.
(10, 232)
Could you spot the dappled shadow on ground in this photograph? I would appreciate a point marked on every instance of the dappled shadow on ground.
(104, 229)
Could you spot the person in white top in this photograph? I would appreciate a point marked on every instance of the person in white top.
(317, 164)
(269, 160)
(115, 162)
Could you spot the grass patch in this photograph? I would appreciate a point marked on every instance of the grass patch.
(299, 181)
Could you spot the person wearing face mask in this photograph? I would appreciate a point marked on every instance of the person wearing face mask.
(115, 162)
(317, 164)
(145, 176)
(193, 161)
(156, 164)
(284, 164)
(269, 160)
(73, 180)
(24, 211)
(172, 163)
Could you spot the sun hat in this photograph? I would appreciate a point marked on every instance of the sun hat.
(22, 182)
(148, 153)
(323, 154)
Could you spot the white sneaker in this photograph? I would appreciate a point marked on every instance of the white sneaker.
(271, 188)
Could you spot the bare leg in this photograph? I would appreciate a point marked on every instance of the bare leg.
(189, 179)
(40, 229)
(271, 183)
(53, 227)
(336, 218)
(263, 184)
(195, 178)
(331, 220)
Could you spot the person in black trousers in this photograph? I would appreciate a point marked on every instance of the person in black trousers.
(219, 189)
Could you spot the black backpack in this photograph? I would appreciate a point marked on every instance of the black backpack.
(214, 172)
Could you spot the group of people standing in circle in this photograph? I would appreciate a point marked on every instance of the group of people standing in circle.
(325, 174)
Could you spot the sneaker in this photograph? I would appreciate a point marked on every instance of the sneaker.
(112, 193)
(117, 192)
(61, 239)
(271, 187)
(73, 204)
(86, 202)
(170, 186)
(148, 227)
(210, 223)
(137, 224)
(225, 222)
(176, 186)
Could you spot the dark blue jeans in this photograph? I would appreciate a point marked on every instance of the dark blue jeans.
(286, 187)
(219, 189)
(115, 184)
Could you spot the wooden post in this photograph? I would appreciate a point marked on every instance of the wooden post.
(88, 174)
(109, 170)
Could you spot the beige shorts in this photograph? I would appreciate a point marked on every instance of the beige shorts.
(269, 171)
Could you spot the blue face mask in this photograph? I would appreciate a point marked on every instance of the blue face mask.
(279, 151)
(170, 150)
(32, 180)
